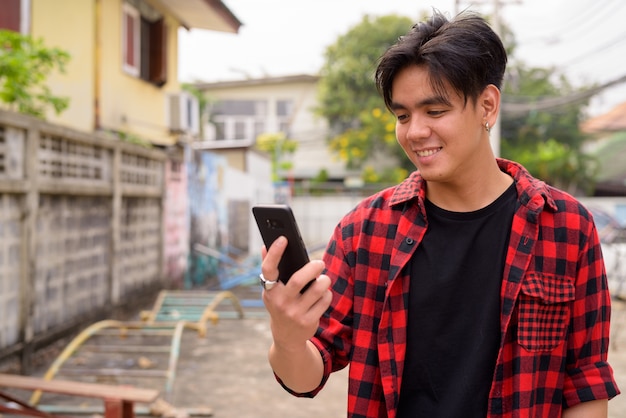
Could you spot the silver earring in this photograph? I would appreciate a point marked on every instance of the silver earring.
(487, 127)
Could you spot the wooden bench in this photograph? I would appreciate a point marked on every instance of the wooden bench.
(118, 400)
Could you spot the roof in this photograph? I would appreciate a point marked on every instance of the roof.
(265, 81)
(611, 154)
(612, 121)
(609, 148)
(203, 14)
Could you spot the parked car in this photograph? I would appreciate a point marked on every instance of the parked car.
(609, 228)
(613, 242)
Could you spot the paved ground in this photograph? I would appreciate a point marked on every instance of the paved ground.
(227, 373)
(238, 382)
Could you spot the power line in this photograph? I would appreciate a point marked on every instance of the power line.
(579, 22)
(582, 57)
(512, 108)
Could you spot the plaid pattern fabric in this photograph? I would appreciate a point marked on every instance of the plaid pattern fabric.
(555, 305)
(543, 311)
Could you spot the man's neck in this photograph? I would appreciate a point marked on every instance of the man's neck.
(471, 192)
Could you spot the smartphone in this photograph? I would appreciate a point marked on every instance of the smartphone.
(274, 221)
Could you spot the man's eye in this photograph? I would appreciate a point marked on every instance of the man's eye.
(401, 117)
(436, 112)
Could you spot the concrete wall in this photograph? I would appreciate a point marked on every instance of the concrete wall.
(81, 228)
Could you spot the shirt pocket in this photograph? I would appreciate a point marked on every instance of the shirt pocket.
(544, 311)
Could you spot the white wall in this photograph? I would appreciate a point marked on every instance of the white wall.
(318, 215)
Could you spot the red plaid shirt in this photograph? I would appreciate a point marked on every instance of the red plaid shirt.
(555, 305)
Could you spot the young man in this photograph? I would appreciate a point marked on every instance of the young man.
(469, 290)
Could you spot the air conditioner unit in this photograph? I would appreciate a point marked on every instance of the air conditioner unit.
(183, 112)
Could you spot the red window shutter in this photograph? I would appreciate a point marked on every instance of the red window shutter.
(10, 11)
(144, 49)
(158, 52)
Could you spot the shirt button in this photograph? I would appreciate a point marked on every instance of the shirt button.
(409, 241)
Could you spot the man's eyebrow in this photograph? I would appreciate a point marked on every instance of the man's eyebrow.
(429, 101)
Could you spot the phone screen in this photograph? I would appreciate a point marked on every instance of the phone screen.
(274, 221)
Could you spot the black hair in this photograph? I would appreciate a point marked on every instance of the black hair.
(464, 51)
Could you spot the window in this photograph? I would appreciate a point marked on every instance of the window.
(284, 111)
(239, 119)
(10, 16)
(241, 108)
(247, 119)
(130, 36)
(284, 108)
(144, 41)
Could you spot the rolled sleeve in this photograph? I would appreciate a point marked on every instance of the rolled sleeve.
(588, 383)
(327, 370)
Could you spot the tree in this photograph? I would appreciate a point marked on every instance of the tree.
(548, 143)
(25, 64)
(348, 97)
(363, 127)
(528, 85)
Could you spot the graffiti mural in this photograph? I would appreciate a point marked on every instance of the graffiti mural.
(208, 215)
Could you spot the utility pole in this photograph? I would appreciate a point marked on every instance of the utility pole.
(494, 134)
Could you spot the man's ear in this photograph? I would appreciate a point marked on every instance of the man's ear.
(489, 102)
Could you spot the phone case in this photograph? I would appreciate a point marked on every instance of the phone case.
(274, 221)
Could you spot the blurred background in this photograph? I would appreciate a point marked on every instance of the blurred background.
(136, 135)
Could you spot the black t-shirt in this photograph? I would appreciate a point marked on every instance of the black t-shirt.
(453, 332)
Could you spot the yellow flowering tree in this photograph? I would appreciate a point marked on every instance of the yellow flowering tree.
(279, 148)
(349, 100)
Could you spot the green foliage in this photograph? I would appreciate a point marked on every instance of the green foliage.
(347, 85)
(548, 143)
(25, 64)
(203, 103)
(389, 176)
(355, 145)
(321, 177)
(559, 165)
(347, 93)
(133, 139)
(529, 85)
(278, 146)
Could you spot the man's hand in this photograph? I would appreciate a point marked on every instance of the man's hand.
(592, 409)
(295, 318)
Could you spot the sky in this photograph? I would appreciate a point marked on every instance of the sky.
(584, 39)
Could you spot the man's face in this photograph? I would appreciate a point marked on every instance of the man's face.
(443, 136)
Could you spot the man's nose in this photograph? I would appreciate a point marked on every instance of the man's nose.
(418, 128)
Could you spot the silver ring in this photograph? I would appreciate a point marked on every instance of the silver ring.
(267, 284)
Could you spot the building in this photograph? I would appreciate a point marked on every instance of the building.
(239, 111)
(122, 83)
(609, 147)
(123, 73)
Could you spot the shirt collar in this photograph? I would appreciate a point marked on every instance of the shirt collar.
(531, 192)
